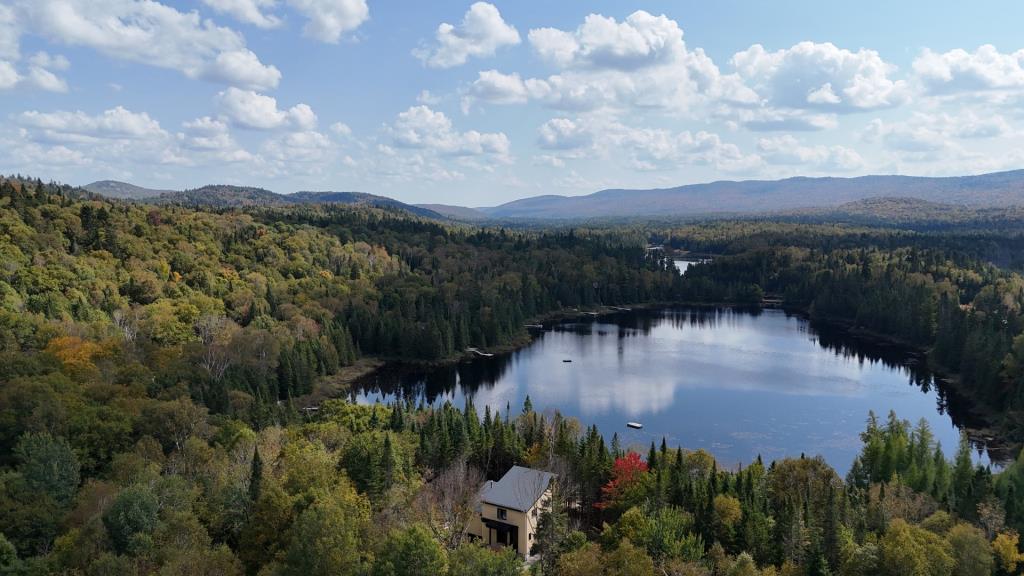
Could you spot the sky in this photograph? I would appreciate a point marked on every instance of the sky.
(482, 103)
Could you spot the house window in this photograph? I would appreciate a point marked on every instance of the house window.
(502, 514)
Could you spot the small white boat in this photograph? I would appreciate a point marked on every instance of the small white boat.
(634, 425)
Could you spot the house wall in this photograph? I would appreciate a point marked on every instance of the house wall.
(527, 523)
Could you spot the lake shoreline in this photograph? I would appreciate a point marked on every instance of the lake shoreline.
(984, 430)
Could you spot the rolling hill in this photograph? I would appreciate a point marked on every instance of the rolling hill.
(123, 190)
(456, 212)
(754, 196)
(361, 198)
(227, 196)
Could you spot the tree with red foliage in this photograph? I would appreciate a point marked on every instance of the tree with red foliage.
(628, 486)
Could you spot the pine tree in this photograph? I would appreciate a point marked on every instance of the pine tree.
(255, 475)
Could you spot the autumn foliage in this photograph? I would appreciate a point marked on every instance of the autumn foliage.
(628, 474)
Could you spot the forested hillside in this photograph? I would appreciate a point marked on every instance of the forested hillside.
(154, 358)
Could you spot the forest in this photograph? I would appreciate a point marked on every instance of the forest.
(156, 359)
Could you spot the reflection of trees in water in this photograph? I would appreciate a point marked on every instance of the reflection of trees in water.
(915, 366)
(429, 385)
(437, 384)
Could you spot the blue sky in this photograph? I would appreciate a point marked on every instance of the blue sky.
(478, 104)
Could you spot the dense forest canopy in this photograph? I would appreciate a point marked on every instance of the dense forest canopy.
(155, 361)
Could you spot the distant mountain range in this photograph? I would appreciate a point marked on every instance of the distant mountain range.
(226, 196)
(860, 196)
(762, 196)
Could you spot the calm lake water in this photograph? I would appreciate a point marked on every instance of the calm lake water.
(737, 383)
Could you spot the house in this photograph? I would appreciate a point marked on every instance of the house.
(510, 508)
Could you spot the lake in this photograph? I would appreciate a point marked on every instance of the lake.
(738, 383)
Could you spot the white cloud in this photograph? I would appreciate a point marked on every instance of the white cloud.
(9, 42)
(926, 134)
(306, 146)
(640, 62)
(9, 76)
(660, 149)
(600, 42)
(905, 137)
(775, 120)
(421, 127)
(416, 167)
(248, 109)
(248, 11)
(788, 150)
(302, 117)
(213, 136)
(45, 80)
(49, 61)
(242, 68)
(481, 33)
(563, 134)
(341, 129)
(820, 76)
(116, 123)
(426, 97)
(108, 142)
(495, 87)
(38, 75)
(958, 71)
(328, 20)
(150, 33)
(642, 148)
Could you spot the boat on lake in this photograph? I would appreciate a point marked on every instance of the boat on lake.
(634, 425)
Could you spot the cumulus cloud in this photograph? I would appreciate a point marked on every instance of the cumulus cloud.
(328, 20)
(642, 39)
(787, 150)
(9, 77)
(306, 146)
(820, 76)
(38, 75)
(660, 149)
(249, 11)
(248, 109)
(341, 129)
(639, 62)
(46, 80)
(78, 126)
(643, 148)
(480, 34)
(960, 71)
(213, 136)
(495, 87)
(110, 140)
(563, 134)
(924, 135)
(242, 68)
(423, 128)
(149, 33)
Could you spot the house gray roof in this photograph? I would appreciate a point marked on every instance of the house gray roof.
(519, 489)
